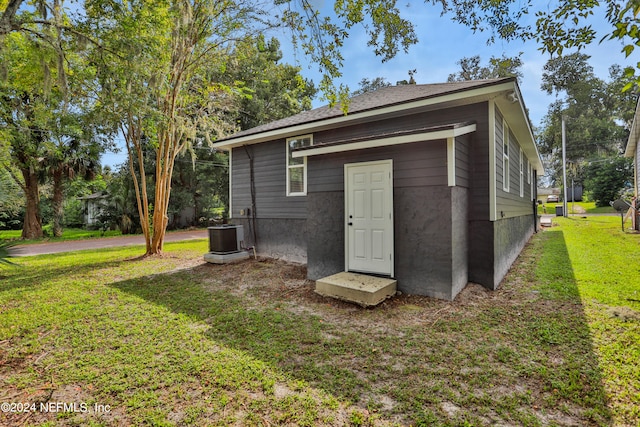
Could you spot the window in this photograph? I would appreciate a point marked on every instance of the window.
(297, 167)
(505, 156)
(521, 172)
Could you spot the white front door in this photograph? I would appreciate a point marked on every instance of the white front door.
(369, 217)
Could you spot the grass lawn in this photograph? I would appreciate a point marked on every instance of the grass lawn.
(68, 234)
(576, 208)
(174, 341)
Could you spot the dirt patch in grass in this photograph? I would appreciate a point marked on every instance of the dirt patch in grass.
(486, 358)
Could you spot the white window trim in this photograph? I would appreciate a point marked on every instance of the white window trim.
(505, 156)
(303, 166)
(521, 172)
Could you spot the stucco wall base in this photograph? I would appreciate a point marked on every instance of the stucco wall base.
(495, 246)
(284, 239)
(510, 236)
(325, 234)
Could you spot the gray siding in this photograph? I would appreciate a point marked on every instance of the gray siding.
(416, 164)
(510, 204)
(479, 208)
(270, 177)
(463, 166)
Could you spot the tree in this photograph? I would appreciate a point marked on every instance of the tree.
(367, 85)
(45, 108)
(11, 203)
(498, 67)
(597, 114)
(607, 178)
(557, 27)
(69, 159)
(267, 89)
(23, 114)
(156, 82)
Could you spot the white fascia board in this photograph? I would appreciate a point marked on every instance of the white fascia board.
(520, 125)
(384, 142)
(364, 116)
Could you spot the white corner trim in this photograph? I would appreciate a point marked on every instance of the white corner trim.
(492, 161)
(388, 141)
(451, 161)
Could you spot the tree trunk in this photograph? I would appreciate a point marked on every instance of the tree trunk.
(58, 208)
(32, 227)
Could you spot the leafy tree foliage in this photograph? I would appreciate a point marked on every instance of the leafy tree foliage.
(44, 110)
(26, 98)
(607, 178)
(597, 114)
(367, 85)
(11, 203)
(497, 67)
(267, 89)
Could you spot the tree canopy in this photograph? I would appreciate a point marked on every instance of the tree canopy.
(556, 27)
(163, 67)
(497, 67)
(597, 114)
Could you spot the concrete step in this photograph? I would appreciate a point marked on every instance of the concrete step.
(216, 258)
(361, 289)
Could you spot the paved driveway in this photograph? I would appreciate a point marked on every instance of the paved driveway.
(107, 242)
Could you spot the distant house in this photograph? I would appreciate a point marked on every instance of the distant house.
(633, 151)
(433, 185)
(92, 207)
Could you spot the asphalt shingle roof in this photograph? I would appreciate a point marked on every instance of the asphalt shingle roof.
(384, 97)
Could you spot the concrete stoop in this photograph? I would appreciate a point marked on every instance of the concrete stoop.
(361, 289)
(216, 258)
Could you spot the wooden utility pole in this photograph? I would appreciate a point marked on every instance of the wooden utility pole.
(564, 169)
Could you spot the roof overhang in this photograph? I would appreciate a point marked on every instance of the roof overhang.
(504, 94)
(518, 120)
(441, 132)
(436, 102)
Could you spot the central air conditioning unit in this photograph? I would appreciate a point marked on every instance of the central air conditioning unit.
(226, 239)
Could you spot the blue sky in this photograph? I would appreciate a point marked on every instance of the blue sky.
(441, 44)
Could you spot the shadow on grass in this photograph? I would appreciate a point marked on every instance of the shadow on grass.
(522, 354)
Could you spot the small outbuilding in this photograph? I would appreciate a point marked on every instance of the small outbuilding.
(92, 206)
(432, 185)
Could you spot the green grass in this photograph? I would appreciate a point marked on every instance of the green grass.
(68, 234)
(576, 208)
(172, 341)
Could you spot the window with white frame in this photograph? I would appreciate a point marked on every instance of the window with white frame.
(521, 172)
(505, 156)
(297, 167)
